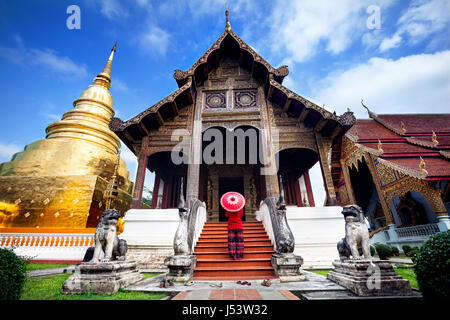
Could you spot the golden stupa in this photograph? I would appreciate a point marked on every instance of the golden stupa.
(60, 183)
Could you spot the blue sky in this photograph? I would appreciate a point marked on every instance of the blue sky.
(335, 50)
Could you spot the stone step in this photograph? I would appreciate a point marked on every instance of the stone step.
(236, 272)
(228, 263)
(259, 240)
(259, 235)
(224, 255)
(222, 247)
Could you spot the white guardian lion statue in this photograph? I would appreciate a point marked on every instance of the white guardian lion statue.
(106, 239)
(356, 241)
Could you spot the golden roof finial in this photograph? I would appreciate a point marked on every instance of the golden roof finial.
(423, 166)
(403, 127)
(380, 146)
(434, 139)
(371, 114)
(227, 25)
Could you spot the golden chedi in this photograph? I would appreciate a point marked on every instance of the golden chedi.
(60, 182)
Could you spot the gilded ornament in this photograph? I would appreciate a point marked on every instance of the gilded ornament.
(423, 166)
(434, 139)
(380, 147)
(46, 201)
(403, 127)
(18, 201)
(56, 214)
(26, 215)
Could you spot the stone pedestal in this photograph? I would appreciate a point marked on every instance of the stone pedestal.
(102, 277)
(287, 267)
(369, 278)
(181, 267)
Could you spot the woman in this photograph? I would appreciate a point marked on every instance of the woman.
(235, 235)
(233, 203)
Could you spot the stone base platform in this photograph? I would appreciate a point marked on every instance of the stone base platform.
(369, 278)
(181, 268)
(287, 267)
(102, 277)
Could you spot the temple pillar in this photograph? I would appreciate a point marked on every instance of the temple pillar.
(140, 173)
(348, 184)
(324, 147)
(309, 191)
(269, 150)
(195, 156)
(155, 191)
(385, 203)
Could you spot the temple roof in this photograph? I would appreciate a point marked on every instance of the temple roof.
(231, 45)
(416, 144)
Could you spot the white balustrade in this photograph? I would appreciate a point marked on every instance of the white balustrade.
(425, 230)
(47, 246)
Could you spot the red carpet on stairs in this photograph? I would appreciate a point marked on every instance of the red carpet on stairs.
(214, 263)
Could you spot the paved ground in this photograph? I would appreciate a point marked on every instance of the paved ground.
(230, 290)
(315, 287)
(401, 260)
(48, 272)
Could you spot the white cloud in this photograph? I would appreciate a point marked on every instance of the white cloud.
(421, 20)
(301, 27)
(119, 85)
(112, 9)
(412, 84)
(8, 150)
(51, 60)
(389, 43)
(154, 40)
(47, 58)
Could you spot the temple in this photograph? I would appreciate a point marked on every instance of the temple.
(232, 126)
(232, 90)
(396, 167)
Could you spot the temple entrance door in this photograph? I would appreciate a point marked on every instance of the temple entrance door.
(226, 185)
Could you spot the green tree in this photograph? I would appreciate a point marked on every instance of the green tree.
(147, 196)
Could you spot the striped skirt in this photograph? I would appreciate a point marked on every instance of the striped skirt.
(236, 243)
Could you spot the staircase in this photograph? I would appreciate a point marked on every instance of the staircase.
(214, 263)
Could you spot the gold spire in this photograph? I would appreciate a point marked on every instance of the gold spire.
(104, 77)
(92, 111)
(227, 25)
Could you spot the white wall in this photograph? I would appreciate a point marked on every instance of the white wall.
(150, 227)
(317, 231)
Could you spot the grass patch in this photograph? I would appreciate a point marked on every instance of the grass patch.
(408, 273)
(40, 266)
(49, 288)
(149, 275)
(321, 272)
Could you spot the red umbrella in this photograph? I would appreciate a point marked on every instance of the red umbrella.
(232, 201)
